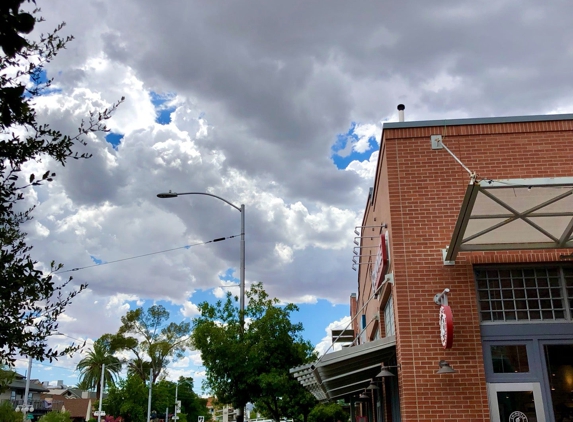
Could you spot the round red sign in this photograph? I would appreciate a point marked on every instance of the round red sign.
(446, 326)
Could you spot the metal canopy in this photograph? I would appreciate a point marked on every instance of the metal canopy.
(514, 214)
(346, 372)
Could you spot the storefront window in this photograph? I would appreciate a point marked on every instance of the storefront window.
(559, 359)
(509, 359)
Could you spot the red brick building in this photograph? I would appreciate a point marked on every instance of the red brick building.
(464, 304)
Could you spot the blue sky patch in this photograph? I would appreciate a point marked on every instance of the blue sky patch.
(342, 151)
(317, 316)
(96, 260)
(162, 108)
(114, 139)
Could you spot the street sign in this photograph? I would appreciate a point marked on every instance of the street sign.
(29, 416)
(201, 419)
(98, 413)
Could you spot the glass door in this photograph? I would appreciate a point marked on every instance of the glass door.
(516, 402)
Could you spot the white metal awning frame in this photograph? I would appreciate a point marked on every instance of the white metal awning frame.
(514, 214)
(346, 372)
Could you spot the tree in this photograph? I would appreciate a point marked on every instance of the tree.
(128, 399)
(90, 367)
(252, 363)
(152, 341)
(30, 300)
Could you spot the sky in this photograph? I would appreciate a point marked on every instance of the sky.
(277, 105)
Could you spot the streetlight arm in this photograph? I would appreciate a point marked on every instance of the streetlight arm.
(176, 194)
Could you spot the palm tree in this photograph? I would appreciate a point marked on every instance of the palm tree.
(90, 367)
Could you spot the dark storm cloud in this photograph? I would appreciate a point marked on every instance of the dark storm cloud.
(276, 82)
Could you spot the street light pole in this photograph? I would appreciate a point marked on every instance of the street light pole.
(149, 398)
(25, 407)
(241, 209)
(101, 392)
(242, 270)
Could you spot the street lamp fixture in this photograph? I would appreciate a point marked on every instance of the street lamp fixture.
(24, 408)
(241, 209)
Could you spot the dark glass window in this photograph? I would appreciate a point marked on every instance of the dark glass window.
(509, 359)
(559, 360)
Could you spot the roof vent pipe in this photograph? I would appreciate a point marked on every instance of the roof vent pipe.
(401, 108)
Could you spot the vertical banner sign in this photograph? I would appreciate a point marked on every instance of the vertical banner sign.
(446, 326)
(382, 263)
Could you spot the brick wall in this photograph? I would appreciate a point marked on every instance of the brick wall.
(418, 192)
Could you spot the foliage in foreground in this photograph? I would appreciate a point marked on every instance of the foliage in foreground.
(8, 414)
(30, 299)
(328, 412)
(56, 417)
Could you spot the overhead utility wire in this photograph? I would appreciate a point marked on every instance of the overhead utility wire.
(147, 254)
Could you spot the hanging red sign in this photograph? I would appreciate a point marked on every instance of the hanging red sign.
(446, 326)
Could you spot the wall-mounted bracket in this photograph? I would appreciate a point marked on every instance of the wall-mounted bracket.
(357, 232)
(436, 141)
(388, 278)
(444, 253)
(442, 298)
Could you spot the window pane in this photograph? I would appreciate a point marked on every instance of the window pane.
(389, 318)
(509, 359)
(524, 294)
(516, 406)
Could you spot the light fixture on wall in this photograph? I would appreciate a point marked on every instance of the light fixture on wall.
(445, 368)
(386, 373)
(364, 396)
(372, 385)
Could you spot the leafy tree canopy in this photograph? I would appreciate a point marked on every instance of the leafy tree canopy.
(152, 339)
(328, 412)
(251, 364)
(30, 299)
(128, 399)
